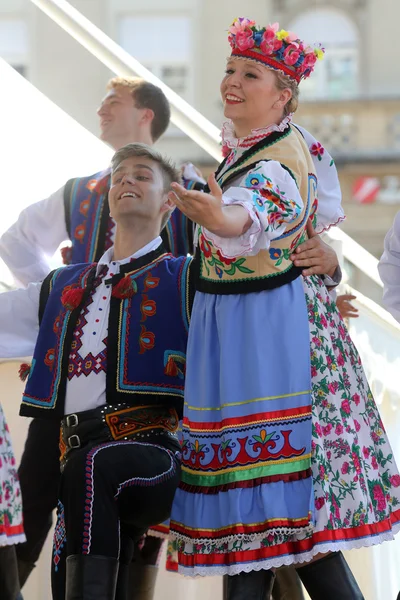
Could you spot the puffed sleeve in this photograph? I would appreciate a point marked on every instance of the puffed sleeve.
(19, 322)
(389, 269)
(329, 211)
(37, 234)
(270, 195)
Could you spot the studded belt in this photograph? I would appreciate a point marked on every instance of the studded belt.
(116, 422)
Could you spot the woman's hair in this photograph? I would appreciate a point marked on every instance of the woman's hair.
(283, 82)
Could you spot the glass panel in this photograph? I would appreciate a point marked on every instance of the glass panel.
(153, 39)
(13, 38)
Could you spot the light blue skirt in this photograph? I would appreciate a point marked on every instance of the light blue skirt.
(247, 420)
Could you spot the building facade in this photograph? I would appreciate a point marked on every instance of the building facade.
(351, 104)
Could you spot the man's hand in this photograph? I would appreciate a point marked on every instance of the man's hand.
(345, 307)
(315, 256)
(188, 170)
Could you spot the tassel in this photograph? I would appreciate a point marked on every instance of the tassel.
(24, 371)
(171, 369)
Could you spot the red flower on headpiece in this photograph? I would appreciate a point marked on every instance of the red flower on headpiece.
(72, 297)
(270, 43)
(291, 54)
(244, 40)
(126, 288)
(309, 60)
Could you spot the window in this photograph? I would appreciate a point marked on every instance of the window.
(14, 44)
(336, 76)
(163, 45)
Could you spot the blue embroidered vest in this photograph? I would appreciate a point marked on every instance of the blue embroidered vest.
(147, 335)
(90, 227)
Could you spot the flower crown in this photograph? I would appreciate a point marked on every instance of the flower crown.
(278, 49)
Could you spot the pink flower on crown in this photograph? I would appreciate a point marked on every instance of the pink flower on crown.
(309, 58)
(244, 40)
(267, 48)
(270, 32)
(240, 25)
(270, 43)
(291, 54)
(291, 37)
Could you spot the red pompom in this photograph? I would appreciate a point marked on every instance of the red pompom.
(72, 297)
(125, 288)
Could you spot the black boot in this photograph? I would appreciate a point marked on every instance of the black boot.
(9, 585)
(91, 577)
(256, 585)
(136, 581)
(123, 583)
(330, 578)
(287, 585)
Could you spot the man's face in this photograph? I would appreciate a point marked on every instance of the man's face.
(119, 118)
(137, 190)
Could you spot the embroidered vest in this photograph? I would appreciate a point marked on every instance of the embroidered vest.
(269, 268)
(90, 227)
(147, 335)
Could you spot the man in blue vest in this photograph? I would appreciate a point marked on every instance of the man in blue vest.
(133, 110)
(106, 366)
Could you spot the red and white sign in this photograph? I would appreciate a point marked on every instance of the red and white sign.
(366, 190)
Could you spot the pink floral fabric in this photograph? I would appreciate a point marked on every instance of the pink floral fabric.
(356, 481)
(11, 529)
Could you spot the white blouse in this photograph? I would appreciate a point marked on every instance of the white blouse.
(389, 269)
(330, 211)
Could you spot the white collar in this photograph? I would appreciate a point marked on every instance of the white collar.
(108, 256)
(229, 138)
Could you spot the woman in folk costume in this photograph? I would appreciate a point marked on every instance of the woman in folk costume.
(11, 527)
(285, 458)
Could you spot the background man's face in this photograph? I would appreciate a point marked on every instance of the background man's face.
(119, 118)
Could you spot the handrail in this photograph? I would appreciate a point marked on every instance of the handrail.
(369, 307)
(357, 255)
(189, 120)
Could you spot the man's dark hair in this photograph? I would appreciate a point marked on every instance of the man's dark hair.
(147, 95)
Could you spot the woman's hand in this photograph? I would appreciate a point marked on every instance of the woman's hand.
(317, 257)
(209, 211)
